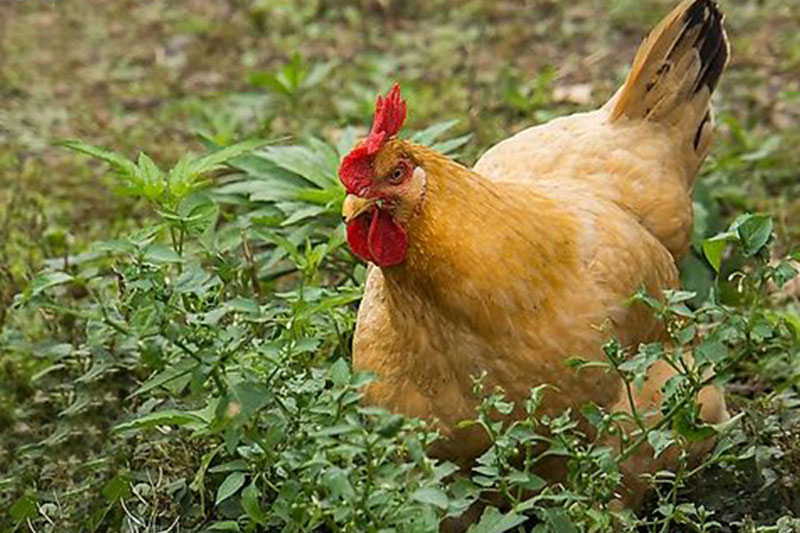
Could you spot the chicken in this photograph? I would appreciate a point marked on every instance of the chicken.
(526, 260)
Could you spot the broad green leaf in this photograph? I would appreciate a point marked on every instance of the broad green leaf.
(170, 417)
(225, 525)
(264, 189)
(687, 427)
(159, 254)
(251, 505)
(431, 496)
(340, 372)
(640, 364)
(23, 509)
(45, 281)
(711, 351)
(660, 441)
(270, 81)
(114, 246)
(230, 486)
(198, 482)
(118, 488)
(259, 168)
(784, 273)
(250, 397)
(527, 480)
(754, 232)
(390, 426)
(303, 213)
(230, 466)
(312, 165)
(214, 160)
(326, 197)
(335, 480)
(493, 521)
(116, 161)
(182, 368)
(557, 520)
(149, 171)
(244, 305)
(431, 133)
(451, 145)
(713, 249)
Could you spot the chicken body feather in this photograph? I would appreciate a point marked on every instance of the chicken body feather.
(528, 259)
(511, 279)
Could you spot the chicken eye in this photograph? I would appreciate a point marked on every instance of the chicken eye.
(397, 174)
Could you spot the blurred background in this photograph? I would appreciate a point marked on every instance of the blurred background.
(169, 78)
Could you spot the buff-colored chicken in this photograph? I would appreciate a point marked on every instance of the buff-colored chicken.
(526, 260)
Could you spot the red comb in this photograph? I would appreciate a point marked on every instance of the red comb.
(390, 113)
(355, 172)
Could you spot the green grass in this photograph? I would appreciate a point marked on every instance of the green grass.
(173, 346)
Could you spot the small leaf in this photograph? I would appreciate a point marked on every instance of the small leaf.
(316, 166)
(114, 246)
(335, 480)
(231, 466)
(492, 521)
(226, 525)
(711, 351)
(230, 486)
(213, 160)
(118, 488)
(116, 161)
(159, 254)
(755, 231)
(558, 521)
(303, 213)
(390, 426)
(182, 368)
(159, 418)
(527, 480)
(451, 145)
(269, 81)
(686, 335)
(23, 509)
(713, 249)
(429, 135)
(784, 273)
(45, 281)
(660, 441)
(251, 506)
(340, 372)
(250, 397)
(149, 171)
(686, 426)
(431, 496)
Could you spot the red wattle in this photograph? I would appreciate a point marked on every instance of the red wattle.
(357, 235)
(387, 240)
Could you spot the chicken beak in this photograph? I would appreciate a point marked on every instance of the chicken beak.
(354, 205)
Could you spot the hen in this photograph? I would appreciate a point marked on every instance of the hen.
(525, 260)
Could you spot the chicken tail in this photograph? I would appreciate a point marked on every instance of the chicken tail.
(675, 71)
